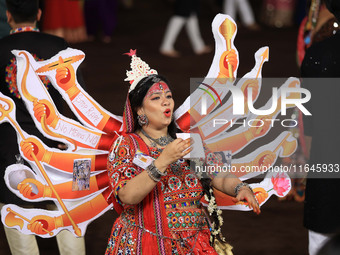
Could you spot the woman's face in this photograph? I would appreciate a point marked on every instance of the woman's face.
(158, 105)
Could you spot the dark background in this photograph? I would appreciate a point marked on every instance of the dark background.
(278, 230)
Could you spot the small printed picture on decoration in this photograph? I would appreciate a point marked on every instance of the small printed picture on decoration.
(81, 174)
(224, 156)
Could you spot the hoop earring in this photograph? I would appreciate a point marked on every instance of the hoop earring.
(142, 120)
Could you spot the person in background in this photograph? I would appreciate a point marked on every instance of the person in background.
(100, 15)
(230, 7)
(64, 18)
(22, 16)
(321, 129)
(185, 13)
(318, 25)
(4, 27)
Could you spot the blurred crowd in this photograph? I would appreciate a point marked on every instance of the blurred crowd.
(87, 20)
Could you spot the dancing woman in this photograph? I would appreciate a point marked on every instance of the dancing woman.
(159, 204)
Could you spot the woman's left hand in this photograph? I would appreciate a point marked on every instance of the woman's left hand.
(246, 195)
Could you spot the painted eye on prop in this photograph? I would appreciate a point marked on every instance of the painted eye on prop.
(122, 152)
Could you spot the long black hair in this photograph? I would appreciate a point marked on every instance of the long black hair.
(136, 98)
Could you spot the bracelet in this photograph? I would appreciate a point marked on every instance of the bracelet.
(239, 186)
(47, 191)
(154, 168)
(154, 172)
(152, 175)
(58, 222)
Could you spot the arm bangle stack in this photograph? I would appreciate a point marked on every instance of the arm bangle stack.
(154, 172)
(240, 185)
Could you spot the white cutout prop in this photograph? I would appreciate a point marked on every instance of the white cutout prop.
(52, 171)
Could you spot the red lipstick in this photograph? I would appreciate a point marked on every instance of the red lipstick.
(167, 113)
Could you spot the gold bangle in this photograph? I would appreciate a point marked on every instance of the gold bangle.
(58, 222)
(47, 156)
(248, 135)
(47, 191)
(54, 122)
(239, 186)
(71, 92)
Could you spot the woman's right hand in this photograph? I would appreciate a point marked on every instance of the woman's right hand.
(172, 152)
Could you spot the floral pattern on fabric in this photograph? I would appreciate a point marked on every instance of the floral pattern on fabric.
(211, 159)
(191, 180)
(182, 192)
(186, 219)
(120, 168)
(197, 244)
(123, 239)
(181, 187)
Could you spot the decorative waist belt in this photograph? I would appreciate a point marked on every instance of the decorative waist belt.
(187, 219)
(190, 219)
(182, 204)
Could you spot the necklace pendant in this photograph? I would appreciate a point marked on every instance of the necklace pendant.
(163, 141)
(176, 168)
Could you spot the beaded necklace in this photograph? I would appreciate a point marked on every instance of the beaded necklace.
(24, 29)
(162, 141)
(11, 69)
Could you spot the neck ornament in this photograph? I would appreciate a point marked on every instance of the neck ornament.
(24, 29)
(162, 141)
